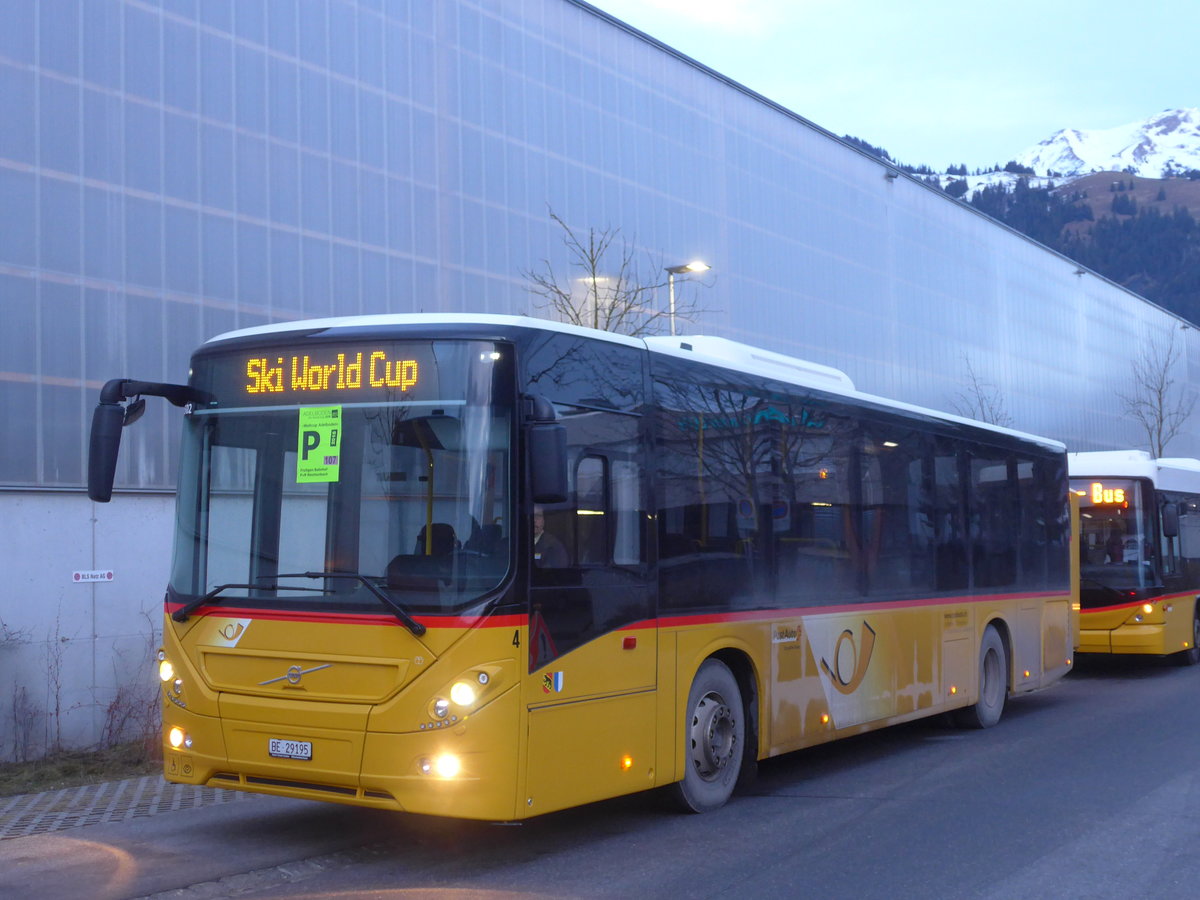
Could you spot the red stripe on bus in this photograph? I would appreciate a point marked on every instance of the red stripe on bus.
(516, 620)
(1164, 598)
(332, 618)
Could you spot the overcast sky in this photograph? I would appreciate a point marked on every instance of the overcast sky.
(943, 82)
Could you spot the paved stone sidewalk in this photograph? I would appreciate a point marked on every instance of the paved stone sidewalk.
(112, 801)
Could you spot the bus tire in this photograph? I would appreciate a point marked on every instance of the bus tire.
(714, 739)
(993, 684)
(1191, 656)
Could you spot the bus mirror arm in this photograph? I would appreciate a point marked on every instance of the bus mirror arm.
(547, 451)
(110, 417)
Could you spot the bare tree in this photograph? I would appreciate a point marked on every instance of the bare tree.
(1154, 400)
(610, 291)
(981, 400)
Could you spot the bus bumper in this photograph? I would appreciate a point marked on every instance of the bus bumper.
(407, 768)
(1144, 639)
(384, 770)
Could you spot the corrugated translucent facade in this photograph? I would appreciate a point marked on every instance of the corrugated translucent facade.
(171, 169)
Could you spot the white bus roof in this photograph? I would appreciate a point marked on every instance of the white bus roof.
(715, 351)
(1167, 473)
(729, 354)
(391, 320)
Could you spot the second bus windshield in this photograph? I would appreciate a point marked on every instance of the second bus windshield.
(1117, 543)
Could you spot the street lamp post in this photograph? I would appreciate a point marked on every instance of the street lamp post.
(693, 267)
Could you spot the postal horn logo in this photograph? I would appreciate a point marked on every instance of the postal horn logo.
(850, 659)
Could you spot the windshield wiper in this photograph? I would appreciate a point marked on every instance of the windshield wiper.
(397, 610)
(182, 614)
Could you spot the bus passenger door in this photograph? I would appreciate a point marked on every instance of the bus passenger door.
(590, 688)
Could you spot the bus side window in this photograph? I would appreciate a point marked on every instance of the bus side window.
(591, 511)
(1189, 529)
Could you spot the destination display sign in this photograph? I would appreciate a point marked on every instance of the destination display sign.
(308, 374)
(328, 374)
(1107, 495)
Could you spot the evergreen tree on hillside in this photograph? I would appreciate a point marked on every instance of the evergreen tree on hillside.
(957, 188)
(867, 148)
(1124, 205)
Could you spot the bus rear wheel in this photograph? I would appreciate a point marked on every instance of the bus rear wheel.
(1191, 656)
(993, 684)
(714, 739)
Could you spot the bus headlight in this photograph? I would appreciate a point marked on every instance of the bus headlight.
(166, 671)
(1147, 608)
(445, 766)
(462, 693)
(466, 694)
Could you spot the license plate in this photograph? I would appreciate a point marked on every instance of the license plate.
(281, 749)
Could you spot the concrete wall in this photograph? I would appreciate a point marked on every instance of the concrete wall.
(68, 648)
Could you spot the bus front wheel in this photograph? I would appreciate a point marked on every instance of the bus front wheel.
(714, 739)
(993, 684)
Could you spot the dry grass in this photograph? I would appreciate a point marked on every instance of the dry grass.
(1178, 192)
(75, 767)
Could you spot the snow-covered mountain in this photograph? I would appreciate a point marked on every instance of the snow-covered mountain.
(1164, 144)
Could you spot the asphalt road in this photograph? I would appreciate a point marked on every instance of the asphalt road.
(1089, 789)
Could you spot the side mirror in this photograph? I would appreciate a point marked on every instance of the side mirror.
(547, 439)
(110, 417)
(1170, 520)
(103, 447)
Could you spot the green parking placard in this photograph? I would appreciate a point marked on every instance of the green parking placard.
(319, 444)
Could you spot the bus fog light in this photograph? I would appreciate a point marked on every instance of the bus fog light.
(166, 671)
(447, 765)
(177, 737)
(462, 693)
(425, 766)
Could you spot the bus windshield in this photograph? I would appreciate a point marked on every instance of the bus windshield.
(389, 461)
(1116, 543)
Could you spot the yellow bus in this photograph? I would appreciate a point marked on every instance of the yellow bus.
(491, 566)
(1139, 553)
